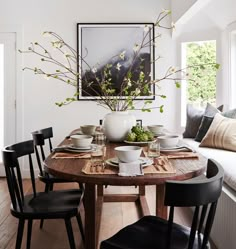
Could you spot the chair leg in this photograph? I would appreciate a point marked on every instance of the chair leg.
(79, 220)
(29, 232)
(20, 233)
(41, 223)
(51, 187)
(70, 233)
(47, 186)
(81, 186)
(46, 190)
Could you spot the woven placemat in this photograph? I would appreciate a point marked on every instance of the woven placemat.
(68, 155)
(113, 170)
(177, 155)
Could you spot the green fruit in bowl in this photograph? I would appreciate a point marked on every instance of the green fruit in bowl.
(137, 129)
(150, 135)
(142, 137)
(131, 137)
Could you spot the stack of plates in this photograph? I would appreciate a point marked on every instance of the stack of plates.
(72, 148)
(176, 148)
(158, 134)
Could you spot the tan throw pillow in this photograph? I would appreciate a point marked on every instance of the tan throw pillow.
(221, 134)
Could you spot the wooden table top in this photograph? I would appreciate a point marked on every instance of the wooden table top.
(71, 169)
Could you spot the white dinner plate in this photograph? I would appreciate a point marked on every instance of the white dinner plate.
(176, 148)
(158, 134)
(138, 143)
(143, 160)
(72, 148)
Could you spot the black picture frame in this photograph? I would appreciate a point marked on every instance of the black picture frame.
(99, 43)
(139, 122)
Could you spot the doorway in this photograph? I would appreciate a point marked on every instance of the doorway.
(7, 91)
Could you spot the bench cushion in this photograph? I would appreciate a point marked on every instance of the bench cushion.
(226, 158)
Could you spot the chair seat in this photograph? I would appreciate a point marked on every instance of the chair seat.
(55, 204)
(149, 233)
(48, 178)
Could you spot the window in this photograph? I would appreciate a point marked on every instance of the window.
(232, 69)
(201, 86)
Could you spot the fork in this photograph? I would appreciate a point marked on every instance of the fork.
(161, 162)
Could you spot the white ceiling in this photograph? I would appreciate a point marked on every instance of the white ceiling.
(204, 14)
(221, 12)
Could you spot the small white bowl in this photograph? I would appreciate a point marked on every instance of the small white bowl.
(88, 129)
(168, 141)
(81, 141)
(128, 153)
(156, 129)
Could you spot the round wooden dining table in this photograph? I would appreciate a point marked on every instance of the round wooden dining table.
(73, 169)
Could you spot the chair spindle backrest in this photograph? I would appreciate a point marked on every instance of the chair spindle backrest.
(11, 155)
(200, 193)
(48, 135)
(39, 138)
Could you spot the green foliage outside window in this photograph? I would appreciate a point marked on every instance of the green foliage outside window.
(202, 87)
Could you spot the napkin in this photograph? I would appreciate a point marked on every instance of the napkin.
(130, 169)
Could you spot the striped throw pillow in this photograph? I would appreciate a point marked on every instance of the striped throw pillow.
(221, 134)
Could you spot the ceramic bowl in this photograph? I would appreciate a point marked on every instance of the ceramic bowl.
(88, 129)
(128, 153)
(81, 141)
(156, 129)
(168, 141)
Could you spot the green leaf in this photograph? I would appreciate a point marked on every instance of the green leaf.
(59, 104)
(177, 84)
(161, 109)
(217, 66)
(146, 110)
(146, 102)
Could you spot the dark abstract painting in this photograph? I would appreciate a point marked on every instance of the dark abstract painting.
(100, 45)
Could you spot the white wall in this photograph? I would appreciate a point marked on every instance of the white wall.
(179, 7)
(39, 95)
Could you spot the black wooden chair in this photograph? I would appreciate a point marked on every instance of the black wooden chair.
(152, 232)
(39, 205)
(40, 138)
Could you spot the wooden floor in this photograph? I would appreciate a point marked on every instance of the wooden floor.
(53, 235)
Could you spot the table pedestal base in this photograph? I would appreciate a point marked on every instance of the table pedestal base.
(93, 215)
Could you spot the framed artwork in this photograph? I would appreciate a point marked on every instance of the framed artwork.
(139, 122)
(100, 47)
